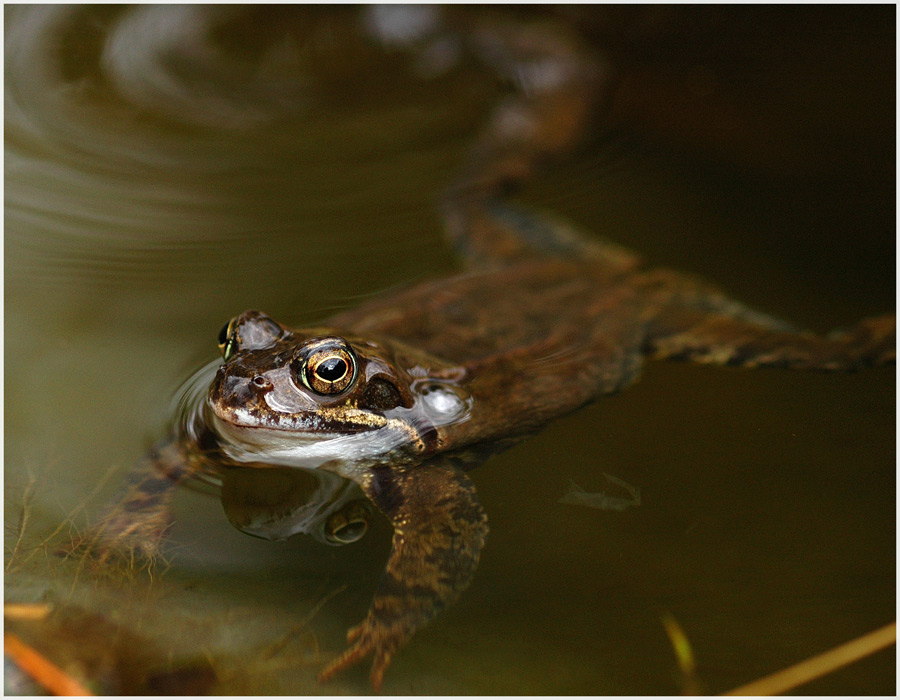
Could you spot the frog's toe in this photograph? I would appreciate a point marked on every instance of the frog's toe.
(357, 651)
(356, 632)
(379, 666)
(365, 638)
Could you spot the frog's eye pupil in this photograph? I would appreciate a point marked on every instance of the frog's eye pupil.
(223, 334)
(332, 369)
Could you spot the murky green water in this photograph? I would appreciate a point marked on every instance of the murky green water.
(169, 167)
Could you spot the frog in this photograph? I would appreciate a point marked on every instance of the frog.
(391, 405)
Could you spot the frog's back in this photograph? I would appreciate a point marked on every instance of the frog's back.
(537, 307)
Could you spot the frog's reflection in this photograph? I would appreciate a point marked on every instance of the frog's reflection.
(274, 504)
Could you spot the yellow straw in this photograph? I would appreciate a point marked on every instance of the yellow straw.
(820, 665)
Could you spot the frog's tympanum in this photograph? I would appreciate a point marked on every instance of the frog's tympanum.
(405, 395)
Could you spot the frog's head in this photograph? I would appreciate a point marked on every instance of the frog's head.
(317, 399)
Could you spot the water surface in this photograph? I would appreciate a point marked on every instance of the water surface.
(169, 167)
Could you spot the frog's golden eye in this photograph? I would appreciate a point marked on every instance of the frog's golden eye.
(226, 340)
(329, 370)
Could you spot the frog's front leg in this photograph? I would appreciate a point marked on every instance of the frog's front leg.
(137, 518)
(439, 530)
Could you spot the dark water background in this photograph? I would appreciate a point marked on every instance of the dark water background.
(169, 167)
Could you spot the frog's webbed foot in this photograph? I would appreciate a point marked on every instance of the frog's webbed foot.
(439, 530)
(138, 518)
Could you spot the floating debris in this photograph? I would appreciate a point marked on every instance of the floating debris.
(601, 500)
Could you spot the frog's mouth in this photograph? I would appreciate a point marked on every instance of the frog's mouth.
(307, 441)
(324, 423)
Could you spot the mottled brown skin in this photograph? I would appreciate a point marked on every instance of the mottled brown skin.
(543, 321)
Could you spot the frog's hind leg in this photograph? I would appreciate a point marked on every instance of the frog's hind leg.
(557, 85)
(700, 324)
(723, 340)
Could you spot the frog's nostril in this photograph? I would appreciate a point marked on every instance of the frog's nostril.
(260, 383)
